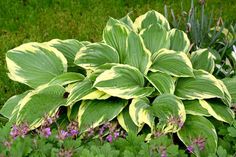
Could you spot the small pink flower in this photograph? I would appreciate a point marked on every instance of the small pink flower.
(109, 138)
(46, 132)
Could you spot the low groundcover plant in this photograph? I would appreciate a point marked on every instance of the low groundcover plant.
(142, 73)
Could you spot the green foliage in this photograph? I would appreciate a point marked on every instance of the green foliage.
(117, 73)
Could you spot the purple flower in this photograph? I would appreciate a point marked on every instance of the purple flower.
(14, 132)
(109, 138)
(46, 132)
(73, 132)
(20, 130)
(116, 134)
(62, 134)
(199, 142)
(190, 149)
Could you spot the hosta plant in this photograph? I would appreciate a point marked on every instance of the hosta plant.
(141, 74)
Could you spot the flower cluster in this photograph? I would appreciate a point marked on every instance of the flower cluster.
(72, 131)
(198, 142)
(19, 130)
(173, 120)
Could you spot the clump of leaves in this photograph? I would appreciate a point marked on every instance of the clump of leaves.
(141, 74)
(204, 32)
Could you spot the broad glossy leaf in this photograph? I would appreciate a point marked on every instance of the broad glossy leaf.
(72, 111)
(100, 70)
(140, 112)
(194, 107)
(149, 18)
(164, 83)
(137, 55)
(35, 64)
(84, 90)
(230, 83)
(170, 111)
(96, 54)
(179, 40)
(123, 81)
(115, 35)
(93, 113)
(127, 20)
(67, 78)
(219, 111)
(227, 97)
(155, 37)
(12, 105)
(195, 127)
(172, 62)
(126, 122)
(68, 48)
(202, 86)
(203, 59)
(45, 100)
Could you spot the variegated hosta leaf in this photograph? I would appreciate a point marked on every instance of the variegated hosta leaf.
(179, 40)
(140, 112)
(149, 18)
(219, 111)
(126, 122)
(127, 20)
(11, 106)
(227, 97)
(123, 81)
(155, 37)
(100, 70)
(93, 113)
(84, 90)
(199, 129)
(164, 83)
(203, 59)
(72, 111)
(115, 35)
(44, 100)
(202, 86)
(172, 62)
(67, 78)
(170, 111)
(137, 55)
(35, 64)
(96, 54)
(230, 83)
(68, 48)
(194, 107)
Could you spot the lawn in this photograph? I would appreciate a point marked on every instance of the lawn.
(24, 21)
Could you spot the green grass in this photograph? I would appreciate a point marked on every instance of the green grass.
(24, 21)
